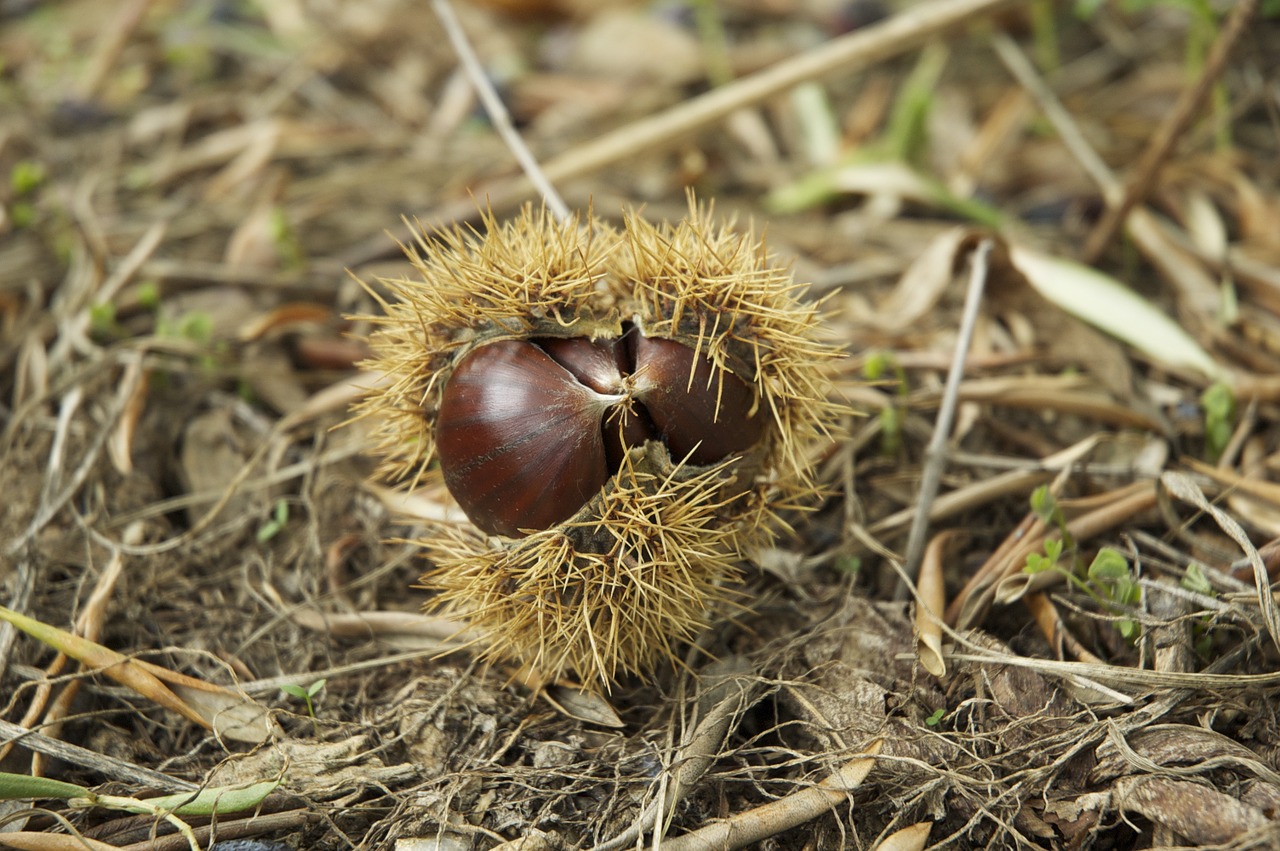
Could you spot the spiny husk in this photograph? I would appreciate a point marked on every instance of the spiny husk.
(609, 592)
(638, 570)
(519, 276)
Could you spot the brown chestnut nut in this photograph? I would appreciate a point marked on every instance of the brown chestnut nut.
(519, 438)
(530, 430)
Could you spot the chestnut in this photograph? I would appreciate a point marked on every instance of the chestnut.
(648, 395)
(528, 431)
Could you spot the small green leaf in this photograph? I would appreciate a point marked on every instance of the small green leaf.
(849, 564)
(26, 177)
(876, 365)
(890, 430)
(1109, 566)
(102, 318)
(1044, 505)
(294, 691)
(936, 718)
(23, 214)
(207, 802)
(1219, 406)
(280, 517)
(17, 786)
(314, 688)
(288, 248)
(148, 294)
(1195, 580)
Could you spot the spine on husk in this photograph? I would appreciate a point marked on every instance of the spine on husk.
(619, 584)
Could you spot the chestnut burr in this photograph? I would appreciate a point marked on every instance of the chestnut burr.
(621, 414)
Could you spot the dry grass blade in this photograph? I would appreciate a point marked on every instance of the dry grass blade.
(911, 838)
(140, 677)
(433, 632)
(1183, 488)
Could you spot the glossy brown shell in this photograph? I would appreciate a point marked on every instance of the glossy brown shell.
(530, 430)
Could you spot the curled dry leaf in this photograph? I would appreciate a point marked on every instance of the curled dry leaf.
(932, 602)
(134, 384)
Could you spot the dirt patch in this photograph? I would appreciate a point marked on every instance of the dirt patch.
(1087, 660)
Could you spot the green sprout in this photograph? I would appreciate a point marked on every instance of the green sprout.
(848, 565)
(102, 320)
(1195, 581)
(1219, 406)
(306, 695)
(149, 295)
(26, 176)
(1108, 580)
(279, 517)
(877, 368)
(1039, 563)
(1046, 507)
(1113, 582)
(288, 247)
(195, 328)
(936, 717)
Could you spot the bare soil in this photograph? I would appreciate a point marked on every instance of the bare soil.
(192, 193)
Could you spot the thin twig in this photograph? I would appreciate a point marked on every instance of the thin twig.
(936, 454)
(497, 112)
(1168, 133)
